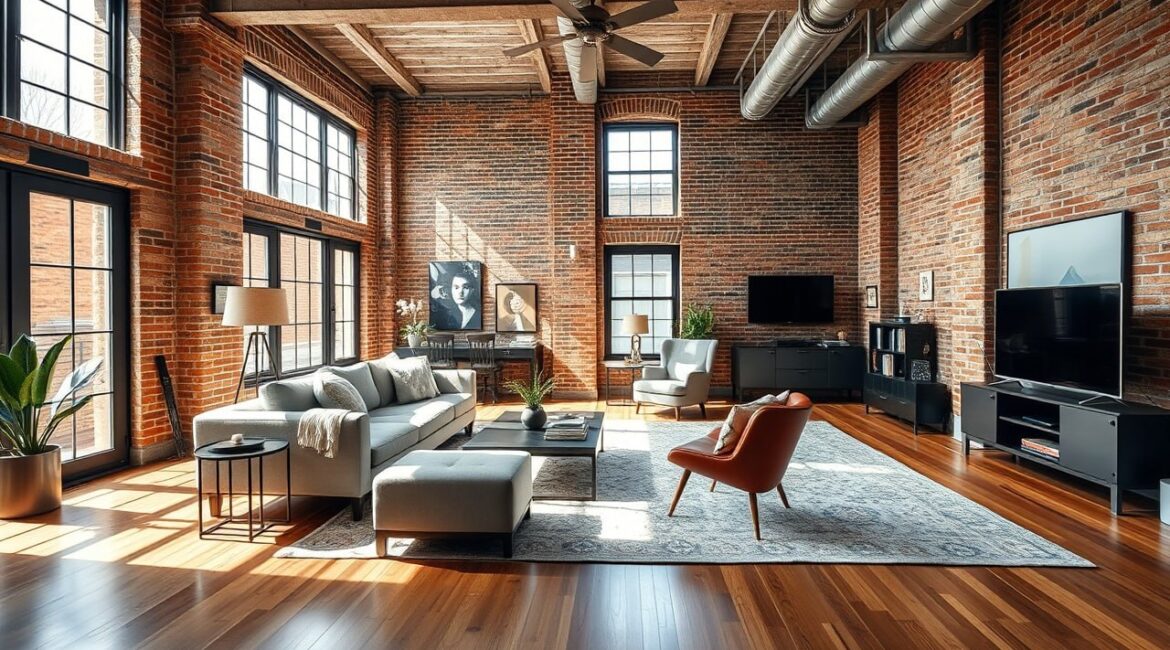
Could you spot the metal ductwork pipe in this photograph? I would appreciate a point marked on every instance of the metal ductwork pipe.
(581, 60)
(918, 25)
(810, 31)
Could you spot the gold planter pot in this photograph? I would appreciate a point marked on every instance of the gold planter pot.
(30, 485)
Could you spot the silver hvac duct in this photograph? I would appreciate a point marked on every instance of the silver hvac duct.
(812, 29)
(918, 25)
(581, 60)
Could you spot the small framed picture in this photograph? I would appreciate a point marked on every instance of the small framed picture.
(926, 286)
(516, 307)
(219, 298)
(871, 296)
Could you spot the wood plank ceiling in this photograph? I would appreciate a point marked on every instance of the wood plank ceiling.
(423, 47)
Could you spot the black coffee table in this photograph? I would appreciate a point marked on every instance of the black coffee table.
(506, 433)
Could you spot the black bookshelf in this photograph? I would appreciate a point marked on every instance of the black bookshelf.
(901, 367)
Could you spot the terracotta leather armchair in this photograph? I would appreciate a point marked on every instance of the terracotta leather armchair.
(759, 460)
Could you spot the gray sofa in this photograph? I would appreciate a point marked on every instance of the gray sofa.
(368, 442)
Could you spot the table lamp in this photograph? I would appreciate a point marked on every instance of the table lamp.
(258, 307)
(635, 325)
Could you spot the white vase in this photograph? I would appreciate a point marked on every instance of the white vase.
(414, 340)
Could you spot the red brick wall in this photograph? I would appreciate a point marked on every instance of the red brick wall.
(877, 207)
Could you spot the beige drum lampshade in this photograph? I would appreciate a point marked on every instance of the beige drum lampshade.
(255, 306)
(636, 324)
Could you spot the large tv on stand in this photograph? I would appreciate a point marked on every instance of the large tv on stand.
(1069, 337)
(790, 299)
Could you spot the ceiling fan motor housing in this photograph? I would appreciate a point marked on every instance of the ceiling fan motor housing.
(593, 34)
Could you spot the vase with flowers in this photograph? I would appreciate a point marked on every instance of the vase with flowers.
(416, 329)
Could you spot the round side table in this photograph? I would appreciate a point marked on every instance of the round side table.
(208, 454)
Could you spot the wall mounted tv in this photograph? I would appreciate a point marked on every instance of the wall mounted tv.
(790, 299)
(1066, 336)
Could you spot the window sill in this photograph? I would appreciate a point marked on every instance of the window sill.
(67, 144)
(312, 213)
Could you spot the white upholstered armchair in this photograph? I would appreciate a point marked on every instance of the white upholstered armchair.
(683, 379)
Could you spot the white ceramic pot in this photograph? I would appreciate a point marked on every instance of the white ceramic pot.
(30, 485)
(414, 340)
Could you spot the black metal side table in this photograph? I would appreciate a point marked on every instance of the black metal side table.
(269, 447)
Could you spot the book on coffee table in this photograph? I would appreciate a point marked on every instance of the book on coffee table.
(565, 434)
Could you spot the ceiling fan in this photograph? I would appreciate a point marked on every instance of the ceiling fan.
(595, 27)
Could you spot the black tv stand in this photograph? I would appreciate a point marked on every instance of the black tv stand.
(1121, 446)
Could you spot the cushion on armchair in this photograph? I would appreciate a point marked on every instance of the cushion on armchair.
(334, 392)
(661, 386)
(737, 419)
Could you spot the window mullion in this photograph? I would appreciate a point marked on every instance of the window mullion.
(273, 145)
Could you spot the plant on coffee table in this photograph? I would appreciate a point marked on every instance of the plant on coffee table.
(532, 391)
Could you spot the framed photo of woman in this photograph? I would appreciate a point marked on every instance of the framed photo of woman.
(455, 300)
(516, 309)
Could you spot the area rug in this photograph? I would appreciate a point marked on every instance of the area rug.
(850, 504)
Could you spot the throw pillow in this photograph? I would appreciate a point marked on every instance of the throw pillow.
(380, 371)
(288, 395)
(334, 392)
(737, 420)
(413, 379)
(359, 376)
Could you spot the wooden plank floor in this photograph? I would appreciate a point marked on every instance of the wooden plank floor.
(121, 566)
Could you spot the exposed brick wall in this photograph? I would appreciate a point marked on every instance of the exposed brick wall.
(877, 208)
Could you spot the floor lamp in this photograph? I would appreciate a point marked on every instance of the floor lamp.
(258, 307)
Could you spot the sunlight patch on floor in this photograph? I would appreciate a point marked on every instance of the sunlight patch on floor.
(42, 540)
(136, 501)
(841, 468)
(628, 520)
(122, 545)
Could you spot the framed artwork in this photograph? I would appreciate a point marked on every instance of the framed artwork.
(516, 308)
(871, 297)
(456, 296)
(1093, 250)
(218, 298)
(926, 286)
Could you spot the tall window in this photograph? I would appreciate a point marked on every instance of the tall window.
(641, 170)
(319, 276)
(62, 66)
(640, 280)
(296, 151)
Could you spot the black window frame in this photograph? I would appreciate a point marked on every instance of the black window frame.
(325, 119)
(606, 129)
(10, 99)
(676, 280)
(329, 317)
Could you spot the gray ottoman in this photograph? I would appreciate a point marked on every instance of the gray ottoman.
(451, 494)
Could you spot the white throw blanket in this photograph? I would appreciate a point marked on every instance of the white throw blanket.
(318, 430)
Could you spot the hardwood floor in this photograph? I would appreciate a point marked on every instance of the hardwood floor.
(120, 566)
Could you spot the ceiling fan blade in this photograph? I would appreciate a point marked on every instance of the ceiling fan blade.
(570, 10)
(588, 64)
(525, 49)
(635, 51)
(642, 13)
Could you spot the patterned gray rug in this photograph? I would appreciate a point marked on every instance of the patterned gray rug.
(850, 504)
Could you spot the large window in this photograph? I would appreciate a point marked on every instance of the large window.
(640, 280)
(641, 170)
(62, 66)
(296, 151)
(319, 276)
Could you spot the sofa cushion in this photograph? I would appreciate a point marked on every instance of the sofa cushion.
(289, 395)
(463, 402)
(359, 375)
(388, 439)
(428, 417)
(661, 386)
(334, 392)
(380, 371)
(413, 379)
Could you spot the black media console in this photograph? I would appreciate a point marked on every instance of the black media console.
(1120, 445)
(800, 366)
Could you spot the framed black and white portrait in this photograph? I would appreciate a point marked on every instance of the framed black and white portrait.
(456, 297)
(516, 307)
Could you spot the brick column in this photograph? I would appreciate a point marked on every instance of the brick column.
(386, 138)
(877, 206)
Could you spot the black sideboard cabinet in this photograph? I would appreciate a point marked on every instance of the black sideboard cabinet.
(899, 381)
(1119, 445)
(802, 368)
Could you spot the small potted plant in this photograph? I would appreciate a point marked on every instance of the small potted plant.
(532, 391)
(416, 330)
(30, 467)
(698, 322)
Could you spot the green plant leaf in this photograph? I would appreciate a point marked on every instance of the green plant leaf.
(57, 419)
(44, 372)
(24, 353)
(81, 377)
(11, 375)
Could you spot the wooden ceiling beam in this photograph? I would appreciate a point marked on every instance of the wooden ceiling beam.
(532, 32)
(324, 53)
(712, 45)
(365, 42)
(381, 12)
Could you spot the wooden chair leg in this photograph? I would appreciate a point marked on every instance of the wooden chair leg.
(677, 413)
(637, 406)
(755, 513)
(703, 410)
(783, 497)
(713, 484)
(682, 483)
(214, 505)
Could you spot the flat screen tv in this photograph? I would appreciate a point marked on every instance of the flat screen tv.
(1067, 336)
(790, 299)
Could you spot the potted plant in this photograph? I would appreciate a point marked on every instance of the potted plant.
(532, 391)
(415, 331)
(30, 467)
(698, 322)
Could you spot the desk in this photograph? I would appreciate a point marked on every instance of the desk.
(635, 370)
(531, 354)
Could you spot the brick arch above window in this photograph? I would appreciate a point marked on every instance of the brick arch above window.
(668, 233)
(634, 109)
